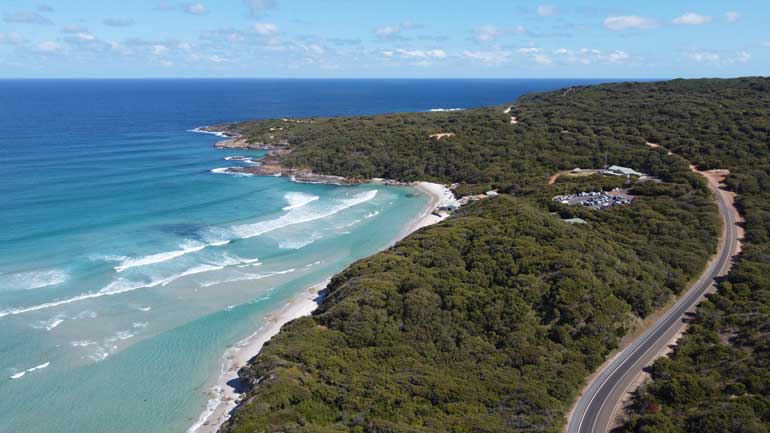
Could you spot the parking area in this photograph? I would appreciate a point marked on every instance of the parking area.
(596, 200)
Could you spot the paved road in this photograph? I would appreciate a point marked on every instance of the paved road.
(594, 409)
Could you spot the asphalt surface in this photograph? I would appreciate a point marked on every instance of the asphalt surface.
(594, 410)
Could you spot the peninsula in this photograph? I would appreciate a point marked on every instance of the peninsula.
(494, 319)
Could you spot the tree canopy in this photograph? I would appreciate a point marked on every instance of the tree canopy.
(492, 320)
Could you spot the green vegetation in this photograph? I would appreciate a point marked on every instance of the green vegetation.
(718, 379)
(492, 320)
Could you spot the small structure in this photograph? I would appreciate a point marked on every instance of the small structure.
(491, 194)
(617, 170)
(449, 207)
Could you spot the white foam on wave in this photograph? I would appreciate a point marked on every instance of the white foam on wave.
(115, 288)
(372, 214)
(297, 200)
(122, 285)
(86, 314)
(21, 374)
(111, 344)
(294, 244)
(244, 159)
(216, 133)
(50, 324)
(247, 277)
(438, 110)
(217, 396)
(299, 216)
(32, 280)
(186, 248)
(226, 170)
(120, 336)
(98, 356)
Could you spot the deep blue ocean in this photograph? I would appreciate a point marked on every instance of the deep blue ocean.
(128, 267)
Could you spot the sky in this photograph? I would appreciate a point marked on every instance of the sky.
(384, 39)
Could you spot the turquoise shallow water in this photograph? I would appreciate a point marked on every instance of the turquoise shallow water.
(128, 266)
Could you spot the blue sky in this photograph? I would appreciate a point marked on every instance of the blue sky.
(394, 38)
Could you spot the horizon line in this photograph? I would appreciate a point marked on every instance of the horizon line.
(349, 78)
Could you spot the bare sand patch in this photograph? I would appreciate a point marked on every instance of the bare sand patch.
(441, 135)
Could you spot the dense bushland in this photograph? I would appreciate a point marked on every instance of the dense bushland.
(492, 320)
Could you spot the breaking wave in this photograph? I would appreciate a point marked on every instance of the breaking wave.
(299, 216)
(122, 285)
(186, 248)
(32, 280)
(226, 170)
(21, 374)
(216, 133)
(297, 200)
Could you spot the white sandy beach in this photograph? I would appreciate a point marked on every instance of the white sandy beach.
(224, 398)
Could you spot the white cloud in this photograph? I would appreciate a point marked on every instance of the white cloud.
(618, 56)
(118, 22)
(629, 22)
(159, 49)
(313, 49)
(547, 10)
(742, 56)
(704, 56)
(85, 37)
(266, 29)
(165, 6)
(587, 56)
(218, 59)
(715, 58)
(394, 32)
(536, 54)
(487, 33)
(528, 51)
(26, 18)
(74, 29)
(258, 7)
(387, 31)
(196, 9)
(11, 38)
(435, 54)
(50, 47)
(491, 58)
(732, 17)
(692, 18)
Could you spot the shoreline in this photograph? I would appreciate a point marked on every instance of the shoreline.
(224, 397)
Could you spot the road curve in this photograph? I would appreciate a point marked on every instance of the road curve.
(593, 412)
